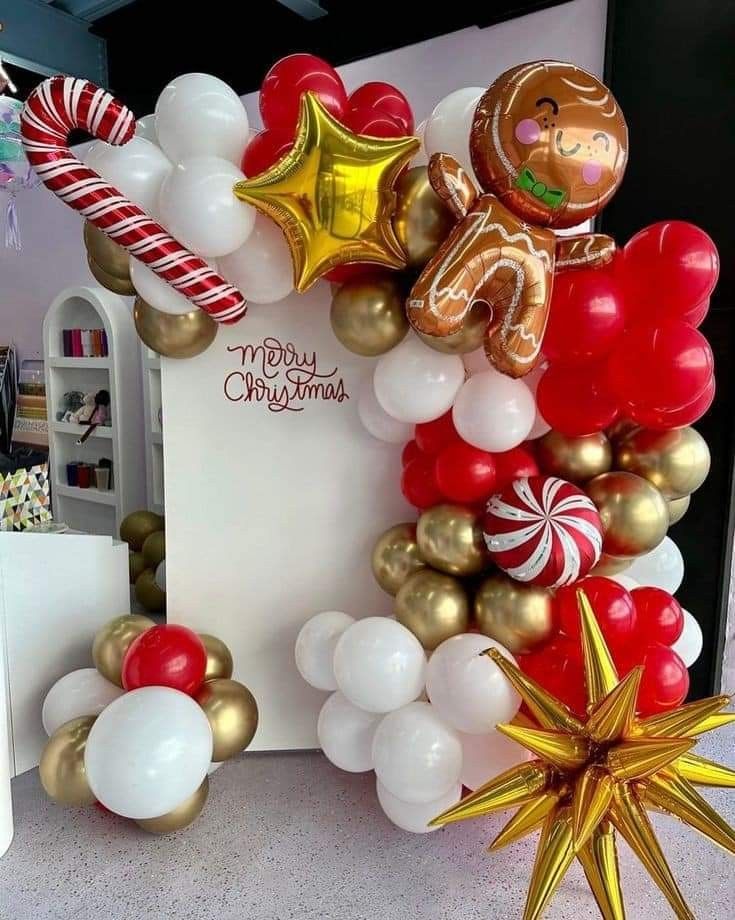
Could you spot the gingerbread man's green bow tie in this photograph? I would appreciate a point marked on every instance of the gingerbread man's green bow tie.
(553, 197)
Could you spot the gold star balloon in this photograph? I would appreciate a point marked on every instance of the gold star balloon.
(332, 195)
(599, 775)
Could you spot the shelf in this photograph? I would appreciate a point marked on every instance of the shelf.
(78, 362)
(85, 495)
(153, 363)
(102, 431)
(156, 437)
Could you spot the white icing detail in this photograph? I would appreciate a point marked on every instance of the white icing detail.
(501, 154)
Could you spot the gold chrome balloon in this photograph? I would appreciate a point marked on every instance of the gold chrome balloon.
(469, 338)
(519, 616)
(181, 816)
(634, 514)
(368, 316)
(232, 713)
(676, 462)
(61, 769)
(450, 539)
(422, 221)
(112, 642)
(574, 459)
(154, 549)
(181, 335)
(109, 256)
(433, 606)
(620, 429)
(121, 286)
(610, 565)
(136, 566)
(219, 657)
(137, 526)
(332, 195)
(396, 556)
(678, 507)
(148, 593)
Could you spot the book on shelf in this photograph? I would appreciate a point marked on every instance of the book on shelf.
(84, 343)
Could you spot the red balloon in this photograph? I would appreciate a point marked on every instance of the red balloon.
(613, 606)
(434, 436)
(383, 98)
(668, 268)
(586, 316)
(373, 123)
(418, 483)
(665, 681)
(465, 473)
(286, 82)
(558, 667)
(410, 452)
(660, 367)
(687, 415)
(518, 463)
(660, 617)
(695, 316)
(165, 656)
(265, 149)
(576, 400)
(349, 272)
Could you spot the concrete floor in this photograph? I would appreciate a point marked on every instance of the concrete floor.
(290, 837)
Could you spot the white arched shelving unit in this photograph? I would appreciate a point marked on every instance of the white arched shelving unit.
(151, 363)
(89, 509)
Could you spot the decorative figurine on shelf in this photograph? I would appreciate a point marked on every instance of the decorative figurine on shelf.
(549, 147)
(94, 412)
(71, 402)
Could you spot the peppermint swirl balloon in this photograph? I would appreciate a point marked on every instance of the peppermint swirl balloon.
(543, 530)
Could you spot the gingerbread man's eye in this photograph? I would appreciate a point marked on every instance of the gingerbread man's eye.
(547, 100)
(603, 138)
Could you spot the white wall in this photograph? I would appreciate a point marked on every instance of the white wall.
(53, 256)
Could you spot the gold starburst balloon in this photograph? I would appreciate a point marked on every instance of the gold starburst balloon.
(599, 775)
(332, 195)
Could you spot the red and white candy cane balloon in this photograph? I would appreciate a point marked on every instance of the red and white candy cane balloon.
(543, 530)
(53, 109)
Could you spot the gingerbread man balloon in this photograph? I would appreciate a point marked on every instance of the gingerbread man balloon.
(549, 146)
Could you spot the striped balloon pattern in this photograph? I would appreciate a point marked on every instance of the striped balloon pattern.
(52, 111)
(543, 530)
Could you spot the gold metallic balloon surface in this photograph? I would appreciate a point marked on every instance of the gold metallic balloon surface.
(519, 616)
(112, 258)
(61, 769)
(136, 566)
(154, 549)
(181, 816)
(183, 335)
(634, 514)
(368, 315)
(232, 713)
(121, 286)
(678, 507)
(332, 195)
(396, 556)
(450, 539)
(137, 526)
(148, 593)
(620, 429)
(611, 565)
(469, 338)
(676, 462)
(433, 606)
(112, 642)
(422, 221)
(219, 657)
(574, 459)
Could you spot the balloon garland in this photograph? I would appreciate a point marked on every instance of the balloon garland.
(144, 533)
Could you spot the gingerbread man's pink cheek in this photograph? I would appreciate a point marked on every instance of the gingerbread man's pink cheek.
(591, 172)
(527, 131)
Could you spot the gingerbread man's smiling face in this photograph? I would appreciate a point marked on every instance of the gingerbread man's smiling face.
(551, 142)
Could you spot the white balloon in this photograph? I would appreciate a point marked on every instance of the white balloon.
(493, 411)
(625, 580)
(379, 664)
(137, 169)
(377, 421)
(532, 380)
(146, 127)
(346, 734)
(417, 756)
(198, 207)
(160, 577)
(415, 816)
(315, 646)
(157, 292)
(468, 689)
(486, 756)
(662, 568)
(448, 127)
(689, 644)
(200, 115)
(148, 751)
(421, 158)
(262, 268)
(475, 362)
(414, 383)
(80, 693)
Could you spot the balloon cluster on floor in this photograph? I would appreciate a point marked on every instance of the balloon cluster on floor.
(145, 535)
(140, 732)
